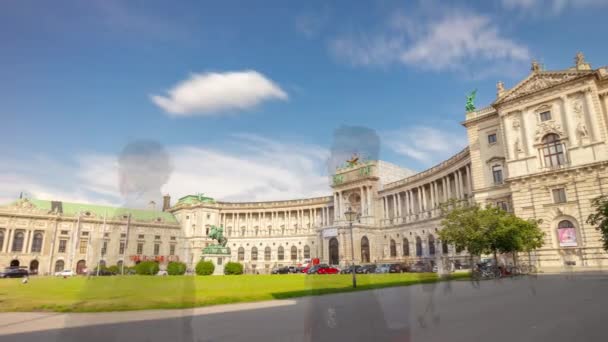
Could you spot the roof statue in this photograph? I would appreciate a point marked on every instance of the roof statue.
(470, 106)
(535, 66)
(354, 160)
(500, 88)
(580, 62)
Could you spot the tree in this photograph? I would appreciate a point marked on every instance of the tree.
(147, 268)
(233, 268)
(488, 230)
(600, 217)
(176, 268)
(204, 268)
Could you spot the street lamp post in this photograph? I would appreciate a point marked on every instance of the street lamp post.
(351, 215)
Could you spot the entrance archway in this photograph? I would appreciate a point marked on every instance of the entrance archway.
(80, 267)
(34, 266)
(334, 252)
(364, 249)
(15, 263)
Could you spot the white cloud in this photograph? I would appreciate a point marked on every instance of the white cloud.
(249, 168)
(550, 6)
(213, 93)
(455, 40)
(427, 145)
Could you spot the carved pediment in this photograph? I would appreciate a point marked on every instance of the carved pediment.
(547, 127)
(495, 159)
(539, 81)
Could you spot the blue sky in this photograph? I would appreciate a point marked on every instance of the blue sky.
(251, 92)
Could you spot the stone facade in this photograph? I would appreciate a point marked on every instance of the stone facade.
(539, 150)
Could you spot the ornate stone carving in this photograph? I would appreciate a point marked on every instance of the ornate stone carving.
(500, 89)
(535, 66)
(577, 107)
(539, 82)
(516, 124)
(547, 127)
(517, 147)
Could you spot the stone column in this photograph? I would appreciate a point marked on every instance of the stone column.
(444, 191)
(432, 195)
(469, 181)
(449, 187)
(370, 206)
(419, 197)
(7, 242)
(591, 126)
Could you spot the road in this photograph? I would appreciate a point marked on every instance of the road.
(544, 308)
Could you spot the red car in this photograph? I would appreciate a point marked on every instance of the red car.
(323, 269)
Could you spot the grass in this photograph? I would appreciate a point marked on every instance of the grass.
(120, 293)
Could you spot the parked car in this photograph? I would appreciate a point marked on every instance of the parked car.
(65, 273)
(280, 270)
(349, 269)
(13, 272)
(421, 266)
(328, 270)
(102, 272)
(395, 268)
(371, 268)
(292, 269)
(383, 268)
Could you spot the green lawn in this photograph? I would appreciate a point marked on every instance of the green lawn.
(80, 294)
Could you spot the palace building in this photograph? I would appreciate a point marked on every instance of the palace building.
(538, 150)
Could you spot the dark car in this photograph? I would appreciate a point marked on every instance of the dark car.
(280, 270)
(349, 269)
(14, 273)
(292, 269)
(395, 268)
(102, 272)
(421, 266)
(367, 269)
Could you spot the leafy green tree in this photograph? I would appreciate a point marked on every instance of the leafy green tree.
(204, 268)
(488, 230)
(147, 268)
(600, 217)
(176, 268)
(114, 269)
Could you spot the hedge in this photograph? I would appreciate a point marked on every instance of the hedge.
(176, 268)
(114, 269)
(233, 268)
(204, 267)
(147, 268)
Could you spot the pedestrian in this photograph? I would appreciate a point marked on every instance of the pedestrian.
(25, 280)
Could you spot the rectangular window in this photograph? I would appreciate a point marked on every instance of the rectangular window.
(497, 174)
(140, 248)
(85, 233)
(106, 234)
(173, 238)
(62, 244)
(559, 195)
(64, 232)
(121, 248)
(83, 246)
(156, 248)
(503, 205)
(140, 236)
(492, 138)
(104, 248)
(157, 237)
(172, 249)
(544, 116)
(123, 235)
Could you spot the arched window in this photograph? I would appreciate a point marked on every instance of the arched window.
(553, 151)
(267, 254)
(37, 243)
(241, 253)
(254, 253)
(294, 253)
(444, 248)
(418, 246)
(406, 247)
(364, 249)
(34, 266)
(334, 251)
(1, 238)
(119, 264)
(81, 267)
(431, 245)
(59, 265)
(393, 249)
(18, 242)
(281, 253)
(566, 234)
(306, 252)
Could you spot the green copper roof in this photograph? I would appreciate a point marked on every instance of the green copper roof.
(112, 212)
(195, 199)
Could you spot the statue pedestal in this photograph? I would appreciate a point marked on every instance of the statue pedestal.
(218, 255)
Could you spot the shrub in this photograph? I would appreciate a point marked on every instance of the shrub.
(204, 267)
(233, 268)
(114, 269)
(147, 268)
(176, 268)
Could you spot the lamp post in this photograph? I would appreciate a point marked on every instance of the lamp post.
(351, 215)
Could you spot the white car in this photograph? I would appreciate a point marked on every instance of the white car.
(65, 273)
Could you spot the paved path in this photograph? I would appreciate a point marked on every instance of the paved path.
(544, 308)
